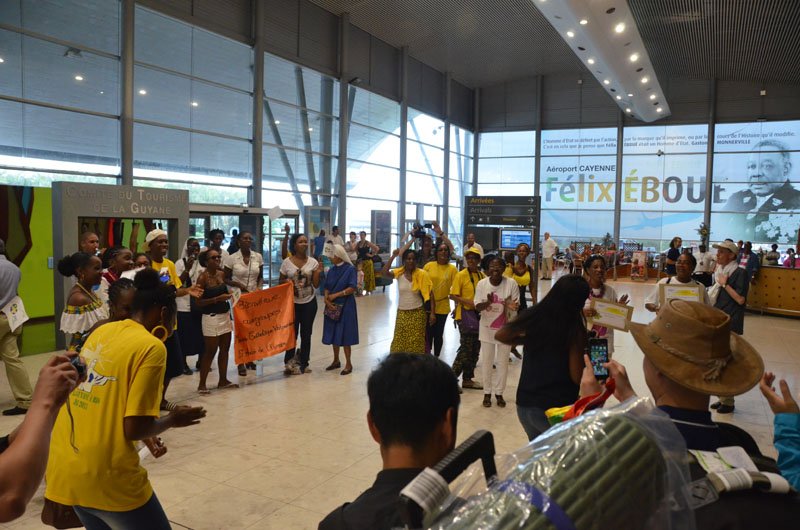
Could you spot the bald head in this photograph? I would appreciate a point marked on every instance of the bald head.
(89, 243)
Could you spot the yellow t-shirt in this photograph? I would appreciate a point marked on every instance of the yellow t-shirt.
(464, 287)
(442, 278)
(522, 281)
(125, 373)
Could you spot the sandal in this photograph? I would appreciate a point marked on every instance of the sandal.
(203, 391)
(229, 384)
(168, 406)
(334, 366)
(346, 371)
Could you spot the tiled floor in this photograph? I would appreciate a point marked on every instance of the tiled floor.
(282, 452)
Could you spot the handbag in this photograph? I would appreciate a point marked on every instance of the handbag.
(469, 321)
(334, 313)
(59, 515)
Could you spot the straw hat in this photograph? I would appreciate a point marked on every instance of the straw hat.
(727, 245)
(691, 343)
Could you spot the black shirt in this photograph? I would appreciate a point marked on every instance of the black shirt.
(545, 381)
(377, 508)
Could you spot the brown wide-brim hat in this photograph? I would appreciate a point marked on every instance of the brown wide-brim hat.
(691, 344)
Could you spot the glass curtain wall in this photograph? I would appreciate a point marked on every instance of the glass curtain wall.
(301, 137)
(62, 122)
(663, 183)
(756, 193)
(506, 163)
(461, 180)
(193, 110)
(578, 184)
(373, 159)
(424, 166)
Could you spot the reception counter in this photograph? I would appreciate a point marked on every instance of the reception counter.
(776, 291)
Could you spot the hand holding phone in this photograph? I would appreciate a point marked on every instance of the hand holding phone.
(598, 355)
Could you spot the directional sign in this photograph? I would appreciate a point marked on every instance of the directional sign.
(501, 211)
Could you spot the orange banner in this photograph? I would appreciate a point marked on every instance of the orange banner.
(264, 323)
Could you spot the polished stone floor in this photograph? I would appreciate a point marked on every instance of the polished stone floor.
(282, 452)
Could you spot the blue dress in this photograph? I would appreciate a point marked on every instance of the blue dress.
(344, 332)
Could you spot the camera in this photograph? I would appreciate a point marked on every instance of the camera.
(418, 230)
(79, 365)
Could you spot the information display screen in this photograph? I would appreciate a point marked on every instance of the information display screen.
(511, 237)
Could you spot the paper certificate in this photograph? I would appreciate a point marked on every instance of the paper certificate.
(15, 313)
(691, 293)
(611, 314)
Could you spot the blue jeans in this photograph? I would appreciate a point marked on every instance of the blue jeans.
(533, 420)
(150, 515)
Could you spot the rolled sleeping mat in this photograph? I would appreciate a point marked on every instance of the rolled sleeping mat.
(596, 475)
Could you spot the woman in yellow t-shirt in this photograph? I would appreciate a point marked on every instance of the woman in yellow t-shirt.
(441, 273)
(93, 464)
(463, 294)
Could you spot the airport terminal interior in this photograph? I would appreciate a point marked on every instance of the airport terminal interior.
(645, 152)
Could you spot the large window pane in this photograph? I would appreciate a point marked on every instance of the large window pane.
(166, 97)
(174, 152)
(41, 178)
(505, 170)
(505, 190)
(309, 171)
(223, 111)
(461, 141)
(94, 23)
(424, 158)
(373, 146)
(371, 181)
(376, 111)
(222, 60)
(505, 144)
(572, 142)
(201, 193)
(291, 83)
(756, 180)
(301, 129)
(426, 129)
(665, 138)
(424, 188)
(163, 41)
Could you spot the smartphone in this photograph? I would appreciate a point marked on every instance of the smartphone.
(598, 355)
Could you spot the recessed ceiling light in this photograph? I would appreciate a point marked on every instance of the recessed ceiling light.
(658, 110)
(78, 78)
(628, 109)
(277, 122)
(652, 96)
(634, 57)
(310, 129)
(630, 94)
(619, 28)
(619, 97)
(194, 103)
(606, 82)
(583, 22)
(101, 92)
(142, 92)
(645, 79)
(590, 61)
(570, 34)
(2, 60)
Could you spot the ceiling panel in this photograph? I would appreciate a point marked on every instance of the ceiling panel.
(733, 40)
(481, 42)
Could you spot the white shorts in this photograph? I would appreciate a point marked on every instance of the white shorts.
(216, 325)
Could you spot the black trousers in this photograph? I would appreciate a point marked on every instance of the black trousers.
(436, 334)
(304, 315)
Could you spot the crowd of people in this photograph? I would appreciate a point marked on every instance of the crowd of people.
(142, 315)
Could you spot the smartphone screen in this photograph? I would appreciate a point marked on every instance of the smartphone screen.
(598, 355)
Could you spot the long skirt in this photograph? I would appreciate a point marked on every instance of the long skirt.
(409, 331)
(369, 275)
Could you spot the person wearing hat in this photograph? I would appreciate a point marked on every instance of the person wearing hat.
(157, 245)
(691, 353)
(729, 294)
(463, 293)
